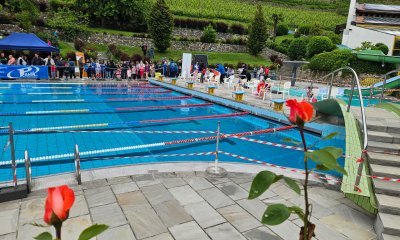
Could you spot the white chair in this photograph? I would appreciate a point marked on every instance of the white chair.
(253, 85)
(285, 90)
(230, 81)
(268, 92)
(334, 92)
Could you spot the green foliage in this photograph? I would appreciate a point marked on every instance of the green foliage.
(44, 236)
(316, 29)
(297, 49)
(209, 35)
(327, 157)
(319, 44)
(46, 36)
(362, 66)
(275, 214)
(26, 12)
(329, 61)
(124, 15)
(382, 47)
(257, 32)
(304, 29)
(160, 25)
(335, 38)
(282, 29)
(71, 23)
(92, 231)
(283, 47)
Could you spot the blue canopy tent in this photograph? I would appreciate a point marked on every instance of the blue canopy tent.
(26, 41)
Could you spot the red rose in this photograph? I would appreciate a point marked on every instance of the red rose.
(300, 112)
(59, 201)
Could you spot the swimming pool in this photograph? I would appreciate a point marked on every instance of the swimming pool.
(100, 117)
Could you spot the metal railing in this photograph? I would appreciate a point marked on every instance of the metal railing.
(355, 81)
(77, 160)
(28, 171)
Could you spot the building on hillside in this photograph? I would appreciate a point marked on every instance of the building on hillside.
(375, 23)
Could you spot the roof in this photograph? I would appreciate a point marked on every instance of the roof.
(368, 7)
(378, 20)
(391, 31)
(25, 41)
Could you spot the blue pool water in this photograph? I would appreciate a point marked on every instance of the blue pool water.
(17, 98)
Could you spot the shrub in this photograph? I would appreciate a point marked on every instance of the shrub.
(297, 49)
(160, 25)
(71, 55)
(304, 29)
(70, 22)
(335, 38)
(43, 5)
(329, 61)
(361, 66)
(79, 44)
(46, 36)
(177, 22)
(282, 29)
(209, 35)
(382, 47)
(319, 44)
(297, 34)
(257, 32)
(238, 28)
(221, 27)
(316, 29)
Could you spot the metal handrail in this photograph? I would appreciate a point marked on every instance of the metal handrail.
(355, 81)
(384, 83)
(77, 160)
(28, 171)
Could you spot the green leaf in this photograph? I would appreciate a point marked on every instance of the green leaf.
(275, 214)
(297, 210)
(335, 152)
(261, 183)
(292, 184)
(329, 136)
(92, 231)
(44, 236)
(289, 140)
(325, 158)
(321, 167)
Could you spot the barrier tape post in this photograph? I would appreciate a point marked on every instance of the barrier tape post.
(13, 163)
(360, 169)
(215, 170)
(28, 171)
(77, 165)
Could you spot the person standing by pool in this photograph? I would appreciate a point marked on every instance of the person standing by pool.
(36, 60)
(222, 72)
(141, 70)
(71, 68)
(3, 59)
(11, 60)
(81, 65)
(195, 71)
(147, 70)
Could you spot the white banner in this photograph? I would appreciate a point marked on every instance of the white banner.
(186, 65)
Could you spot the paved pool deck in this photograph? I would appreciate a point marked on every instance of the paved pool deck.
(186, 206)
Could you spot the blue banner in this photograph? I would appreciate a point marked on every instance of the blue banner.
(26, 72)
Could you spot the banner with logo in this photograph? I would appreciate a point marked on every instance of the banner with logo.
(80, 55)
(19, 71)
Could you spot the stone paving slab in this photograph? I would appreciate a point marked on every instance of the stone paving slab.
(186, 205)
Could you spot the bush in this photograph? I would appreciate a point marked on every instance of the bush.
(361, 66)
(209, 35)
(71, 55)
(70, 22)
(238, 28)
(221, 27)
(79, 44)
(304, 29)
(329, 61)
(282, 29)
(319, 44)
(46, 36)
(283, 47)
(257, 32)
(160, 25)
(382, 47)
(297, 34)
(297, 49)
(136, 58)
(43, 5)
(316, 29)
(335, 38)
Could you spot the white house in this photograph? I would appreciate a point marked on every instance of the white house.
(374, 23)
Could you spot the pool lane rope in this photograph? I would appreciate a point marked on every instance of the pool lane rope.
(92, 93)
(128, 123)
(151, 145)
(150, 156)
(97, 100)
(105, 110)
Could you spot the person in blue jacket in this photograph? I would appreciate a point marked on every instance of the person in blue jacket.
(173, 69)
(221, 70)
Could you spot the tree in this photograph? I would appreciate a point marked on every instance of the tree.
(382, 47)
(319, 44)
(257, 32)
(70, 22)
(125, 14)
(276, 18)
(161, 25)
(297, 49)
(209, 35)
(26, 12)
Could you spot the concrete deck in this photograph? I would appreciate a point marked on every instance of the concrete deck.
(186, 205)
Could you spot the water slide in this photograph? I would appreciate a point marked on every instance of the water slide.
(391, 83)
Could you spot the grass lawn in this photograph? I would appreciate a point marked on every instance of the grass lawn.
(279, 39)
(391, 107)
(66, 47)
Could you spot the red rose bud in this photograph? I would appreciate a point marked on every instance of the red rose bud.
(300, 112)
(58, 203)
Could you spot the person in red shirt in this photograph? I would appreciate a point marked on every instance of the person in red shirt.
(266, 71)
